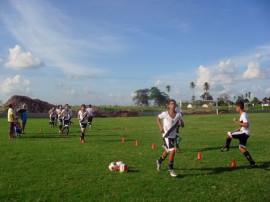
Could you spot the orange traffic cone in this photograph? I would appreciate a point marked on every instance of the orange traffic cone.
(40, 130)
(153, 146)
(199, 157)
(233, 164)
(126, 128)
(136, 143)
(123, 140)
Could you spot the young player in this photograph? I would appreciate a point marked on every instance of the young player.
(242, 133)
(83, 118)
(52, 115)
(168, 130)
(11, 120)
(181, 124)
(59, 117)
(24, 117)
(65, 114)
(17, 127)
(90, 110)
(70, 115)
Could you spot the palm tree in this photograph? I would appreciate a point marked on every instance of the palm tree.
(249, 94)
(168, 88)
(192, 86)
(206, 86)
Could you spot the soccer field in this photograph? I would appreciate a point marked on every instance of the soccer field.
(48, 166)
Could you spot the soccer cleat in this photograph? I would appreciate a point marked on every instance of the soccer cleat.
(158, 166)
(252, 164)
(172, 173)
(223, 149)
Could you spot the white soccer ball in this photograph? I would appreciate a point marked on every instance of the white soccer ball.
(112, 166)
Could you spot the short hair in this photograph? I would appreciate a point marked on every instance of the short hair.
(10, 105)
(241, 105)
(83, 105)
(90, 106)
(171, 100)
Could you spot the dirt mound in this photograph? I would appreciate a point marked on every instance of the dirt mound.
(33, 105)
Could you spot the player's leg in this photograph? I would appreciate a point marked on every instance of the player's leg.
(23, 126)
(229, 137)
(242, 148)
(11, 130)
(171, 157)
(60, 125)
(83, 127)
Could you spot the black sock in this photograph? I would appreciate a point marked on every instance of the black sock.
(82, 136)
(249, 158)
(170, 165)
(228, 142)
(161, 159)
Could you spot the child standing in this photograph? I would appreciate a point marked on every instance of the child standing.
(168, 130)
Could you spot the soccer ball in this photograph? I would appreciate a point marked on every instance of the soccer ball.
(112, 166)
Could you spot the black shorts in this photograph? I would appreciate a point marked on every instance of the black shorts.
(242, 137)
(66, 122)
(169, 143)
(83, 126)
(90, 119)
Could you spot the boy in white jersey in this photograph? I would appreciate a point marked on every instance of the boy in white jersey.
(168, 130)
(65, 114)
(90, 110)
(83, 118)
(242, 133)
(52, 115)
(59, 117)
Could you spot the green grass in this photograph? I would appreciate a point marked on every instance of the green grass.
(49, 167)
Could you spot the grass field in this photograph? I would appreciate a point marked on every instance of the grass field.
(49, 167)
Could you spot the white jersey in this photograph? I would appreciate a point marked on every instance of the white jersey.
(58, 112)
(83, 116)
(52, 113)
(65, 114)
(169, 122)
(90, 111)
(244, 119)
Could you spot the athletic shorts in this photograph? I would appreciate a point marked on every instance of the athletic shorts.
(66, 122)
(90, 119)
(83, 126)
(60, 121)
(169, 143)
(11, 126)
(52, 119)
(242, 137)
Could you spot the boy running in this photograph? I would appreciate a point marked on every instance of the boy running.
(168, 130)
(242, 133)
(59, 117)
(52, 115)
(90, 110)
(65, 114)
(83, 118)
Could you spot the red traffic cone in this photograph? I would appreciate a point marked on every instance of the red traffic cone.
(136, 143)
(123, 139)
(153, 146)
(233, 164)
(199, 157)
(40, 130)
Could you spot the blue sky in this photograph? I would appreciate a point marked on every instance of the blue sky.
(100, 52)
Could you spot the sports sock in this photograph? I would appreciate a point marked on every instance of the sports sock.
(82, 136)
(170, 165)
(228, 142)
(161, 159)
(249, 158)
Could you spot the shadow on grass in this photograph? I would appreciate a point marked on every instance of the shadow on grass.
(216, 148)
(219, 170)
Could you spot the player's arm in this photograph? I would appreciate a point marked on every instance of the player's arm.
(246, 124)
(160, 125)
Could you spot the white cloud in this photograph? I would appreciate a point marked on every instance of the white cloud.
(253, 71)
(15, 85)
(267, 92)
(158, 82)
(18, 59)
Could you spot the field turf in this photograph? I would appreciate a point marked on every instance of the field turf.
(47, 166)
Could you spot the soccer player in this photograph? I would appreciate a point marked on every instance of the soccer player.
(90, 110)
(59, 117)
(181, 124)
(11, 120)
(24, 116)
(168, 130)
(17, 127)
(83, 118)
(242, 133)
(65, 114)
(52, 114)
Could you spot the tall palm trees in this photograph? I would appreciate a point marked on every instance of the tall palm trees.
(192, 87)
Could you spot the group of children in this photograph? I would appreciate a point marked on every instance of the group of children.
(64, 115)
(173, 118)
